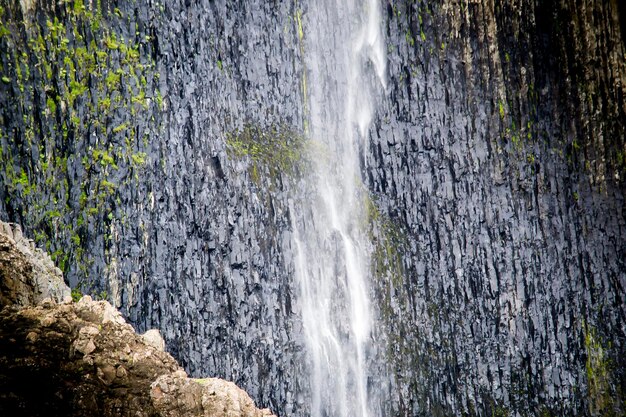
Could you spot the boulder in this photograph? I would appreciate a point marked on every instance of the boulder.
(60, 358)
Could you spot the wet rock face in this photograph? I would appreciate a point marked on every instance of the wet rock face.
(496, 168)
(495, 160)
(130, 180)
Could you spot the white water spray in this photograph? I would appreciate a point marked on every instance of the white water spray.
(346, 66)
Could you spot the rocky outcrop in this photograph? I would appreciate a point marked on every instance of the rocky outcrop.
(176, 395)
(82, 358)
(27, 274)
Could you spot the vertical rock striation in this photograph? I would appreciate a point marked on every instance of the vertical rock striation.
(499, 164)
(127, 133)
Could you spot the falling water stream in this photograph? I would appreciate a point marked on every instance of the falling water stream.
(345, 69)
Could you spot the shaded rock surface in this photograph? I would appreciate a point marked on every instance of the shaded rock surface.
(79, 359)
(498, 163)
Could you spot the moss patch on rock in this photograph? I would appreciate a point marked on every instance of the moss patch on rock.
(78, 82)
(273, 152)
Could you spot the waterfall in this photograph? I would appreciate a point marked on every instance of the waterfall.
(345, 63)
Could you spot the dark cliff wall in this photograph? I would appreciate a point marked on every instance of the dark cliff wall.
(153, 148)
(122, 170)
(500, 159)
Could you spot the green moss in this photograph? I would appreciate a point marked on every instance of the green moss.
(159, 99)
(101, 296)
(103, 157)
(76, 90)
(112, 80)
(53, 214)
(79, 60)
(76, 294)
(51, 105)
(23, 179)
(275, 151)
(598, 373)
(120, 128)
(139, 158)
(4, 31)
(545, 412)
(108, 186)
(387, 239)
(299, 24)
(409, 38)
(388, 244)
(303, 81)
(499, 412)
(140, 99)
(111, 42)
(74, 120)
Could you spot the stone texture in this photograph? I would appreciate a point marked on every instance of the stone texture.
(69, 360)
(153, 338)
(28, 275)
(496, 163)
(175, 394)
(78, 359)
